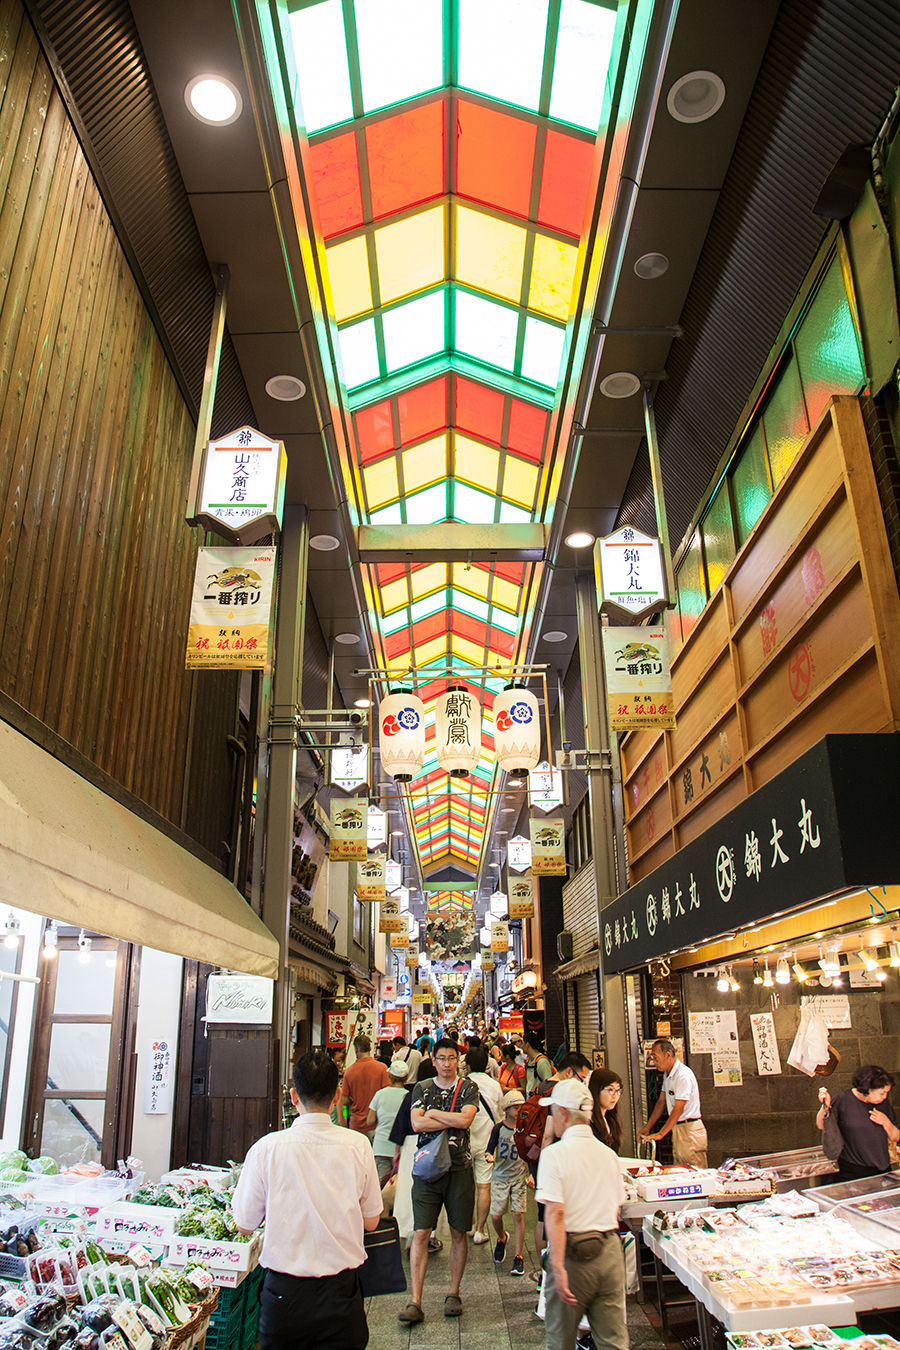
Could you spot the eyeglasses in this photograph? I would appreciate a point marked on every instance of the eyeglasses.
(446, 1059)
(614, 1089)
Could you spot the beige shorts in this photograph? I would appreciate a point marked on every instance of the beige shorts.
(483, 1169)
(689, 1143)
(511, 1195)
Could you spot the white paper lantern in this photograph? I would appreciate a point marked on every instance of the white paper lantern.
(401, 735)
(517, 729)
(457, 731)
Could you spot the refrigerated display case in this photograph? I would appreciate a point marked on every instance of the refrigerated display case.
(827, 1197)
(794, 1169)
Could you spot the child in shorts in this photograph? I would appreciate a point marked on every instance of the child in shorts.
(509, 1181)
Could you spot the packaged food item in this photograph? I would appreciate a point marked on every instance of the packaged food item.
(797, 1336)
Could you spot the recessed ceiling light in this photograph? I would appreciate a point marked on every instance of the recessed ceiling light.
(324, 543)
(213, 99)
(621, 384)
(348, 639)
(396, 834)
(651, 265)
(554, 635)
(579, 539)
(287, 388)
(696, 96)
(361, 703)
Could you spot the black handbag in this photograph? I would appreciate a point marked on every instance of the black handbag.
(382, 1271)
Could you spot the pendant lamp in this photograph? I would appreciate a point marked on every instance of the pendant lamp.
(401, 734)
(457, 730)
(517, 729)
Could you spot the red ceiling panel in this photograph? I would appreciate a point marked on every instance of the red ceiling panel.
(406, 158)
(374, 431)
(479, 410)
(564, 182)
(495, 157)
(423, 410)
(336, 173)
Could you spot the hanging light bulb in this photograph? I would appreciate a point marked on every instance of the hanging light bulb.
(722, 983)
(757, 973)
(782, 973)
(802, 975)
(84, 948)
(868, 959)
(768, 982)
(51, 940)
(11, 940)
(880, 975)
(733, 984)
(831, 964)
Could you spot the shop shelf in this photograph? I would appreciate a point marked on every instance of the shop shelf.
(226, 1323)
(250, 1328)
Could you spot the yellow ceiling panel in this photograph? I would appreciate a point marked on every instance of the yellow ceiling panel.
(431, 651)
(507, 594)
(472, 579)
(393, 595)
(425, 463)
(552, 277)
(381, 482)
(348, 268)
(519, 481)
(490, 254)
(428, 579)
(467, 651)
(410, 254)
(476, 463)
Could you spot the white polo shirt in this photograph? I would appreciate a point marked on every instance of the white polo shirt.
(680, 1085)
(583, 1176)
(313, 1184)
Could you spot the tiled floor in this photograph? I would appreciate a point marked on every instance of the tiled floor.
(498, 1310)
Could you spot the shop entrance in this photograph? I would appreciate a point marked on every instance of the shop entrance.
(78, 1054)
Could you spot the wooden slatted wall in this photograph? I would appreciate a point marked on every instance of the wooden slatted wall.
(96, 563)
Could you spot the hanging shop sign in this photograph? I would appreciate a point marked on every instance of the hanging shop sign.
(349, 763)
(399, 940)
(348, 829)
(518, 853)
(809, 833)
(422, 993)
(487, 959)
(241, 494)
(638, 678)
(521, 899)
(545, 787)
(457, 731)
(512, 1024)
(337, 1029)
(548, 848)
(376, 827)
(401, 735)
(499, 905)
(631, 574)
(390, 920)
(525, 983)
(517, 729)
(388, 990)
(413, 959)
(370, 879)
(500, 937)
(393, 874)
(231, 609)
(239, 998)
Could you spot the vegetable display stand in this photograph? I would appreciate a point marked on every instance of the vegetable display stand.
(192, 1331)
(224, 1331)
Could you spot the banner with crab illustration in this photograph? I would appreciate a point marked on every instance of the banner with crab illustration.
(548, 848)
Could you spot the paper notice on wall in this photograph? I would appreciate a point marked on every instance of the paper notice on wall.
(834, 1009)
(726, 1067)
(711, 1031)
(158, 1077)
(768, 1060)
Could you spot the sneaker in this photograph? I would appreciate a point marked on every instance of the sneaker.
(518, 1266)
(500, 1249)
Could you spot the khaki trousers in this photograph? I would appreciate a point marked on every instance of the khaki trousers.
(689, 1143)
(599, 1287)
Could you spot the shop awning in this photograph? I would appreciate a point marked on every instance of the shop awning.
(582, 965)
(72, 853)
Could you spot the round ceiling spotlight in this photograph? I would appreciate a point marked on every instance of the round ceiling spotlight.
(213, 99)
(324, 543)
(286, 388)
(361, 703)
(696, 97)
(579, 539)
(621, 384)
(651, 265)
(554, 635)
(348, 639)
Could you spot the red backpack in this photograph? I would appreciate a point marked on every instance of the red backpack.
(529, 1132)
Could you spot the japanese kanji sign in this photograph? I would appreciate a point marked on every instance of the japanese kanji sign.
(521, 899)
(337, 1028)
(370, 879)
(548, 847)
(545, 788)
(241, 492)
(348, 829)
(421, 993)
(819, 828)
(499, 937)
(768, 1060)
(638, 680)
(518, 851)
(487, 959)
(390, 920)
(350, 763)
(399, 940)
(158, 1077)
(413, 958)
(630, 573)
(231, 609)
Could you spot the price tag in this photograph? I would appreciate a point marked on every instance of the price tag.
(14, 1299)
(137, 1335)
(200, 1278)
(114, 1340)
(139, 1256)
(178, 1196)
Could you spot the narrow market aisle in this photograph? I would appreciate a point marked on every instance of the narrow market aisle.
(498, 1310)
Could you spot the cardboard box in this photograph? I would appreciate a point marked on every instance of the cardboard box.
(126, 1221)
(676, 1186)
(227, 1257)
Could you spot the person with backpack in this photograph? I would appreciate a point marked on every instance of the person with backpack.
(490, 1094)
(538, 1066)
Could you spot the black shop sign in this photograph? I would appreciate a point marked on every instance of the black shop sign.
(828, 823)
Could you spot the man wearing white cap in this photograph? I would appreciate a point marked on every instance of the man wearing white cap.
(580, 1185)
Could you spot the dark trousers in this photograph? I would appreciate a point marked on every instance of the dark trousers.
(312, 1314)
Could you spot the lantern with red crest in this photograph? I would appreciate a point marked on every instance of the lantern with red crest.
(517, 729)
(401, 738)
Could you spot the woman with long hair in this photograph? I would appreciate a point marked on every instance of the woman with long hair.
(512, 1075)
(606, 1088)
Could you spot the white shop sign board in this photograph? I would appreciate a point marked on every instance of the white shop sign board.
(239, 998)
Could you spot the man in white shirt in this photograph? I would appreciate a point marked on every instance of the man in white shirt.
(680, 1099)
(410, 1056)
(316, 1187)
(488, 1114)
(580, 1185)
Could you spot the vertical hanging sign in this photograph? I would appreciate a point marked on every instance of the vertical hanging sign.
(487, 959)
(348, 829)
(630, 573)
(390, 920)
(548, 848)
(500, 937)
(370, 879)
(521, 899)
(242, 482)
(638, 679)
(231, 609)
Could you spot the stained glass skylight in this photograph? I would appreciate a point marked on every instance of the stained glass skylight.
(453, 153)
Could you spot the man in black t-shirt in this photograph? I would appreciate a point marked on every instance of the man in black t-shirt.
(449, 1103)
